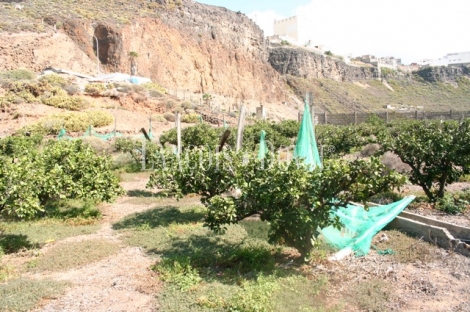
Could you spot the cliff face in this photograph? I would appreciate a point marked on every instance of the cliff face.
(443, 74)
(305, 64)
(195, 47)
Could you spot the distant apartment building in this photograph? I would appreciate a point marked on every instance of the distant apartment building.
(460, 58)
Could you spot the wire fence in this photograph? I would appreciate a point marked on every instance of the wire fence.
(359, 117)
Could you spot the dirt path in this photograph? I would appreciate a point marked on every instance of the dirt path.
(121, 282)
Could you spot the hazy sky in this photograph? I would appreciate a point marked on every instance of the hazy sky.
(410, 29)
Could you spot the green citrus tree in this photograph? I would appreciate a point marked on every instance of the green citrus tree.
(34, 176)
(294, 200)
(437, 152)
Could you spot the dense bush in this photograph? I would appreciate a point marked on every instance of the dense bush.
(30, 177)
(190, 118)
(54, 79)
(95, 88)
(71, 121)
(42, 91)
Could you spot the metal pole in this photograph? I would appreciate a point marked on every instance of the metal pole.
(97, 54)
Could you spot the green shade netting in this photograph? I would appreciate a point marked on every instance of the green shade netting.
(90, 132)
(263, 148)
(306, 147)
(359, 225)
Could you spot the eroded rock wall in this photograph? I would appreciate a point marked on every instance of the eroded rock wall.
(194, 47)
(306, 64)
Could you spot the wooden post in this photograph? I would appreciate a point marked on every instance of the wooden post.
(386, 116)
(326, 120)
(299, 116)
(241, 124)
(355, 118)
(451, 114)
(178, 132)
(416, 115)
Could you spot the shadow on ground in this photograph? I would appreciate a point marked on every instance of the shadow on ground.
(145, 193)
(161, 216)
(11, 243)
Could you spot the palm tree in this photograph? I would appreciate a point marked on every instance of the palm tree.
(132, 58)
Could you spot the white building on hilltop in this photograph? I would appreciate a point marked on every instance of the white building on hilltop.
(458, 58)
(294, 29)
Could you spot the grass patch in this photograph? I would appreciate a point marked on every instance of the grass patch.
(27, 235)
(235, 271)
(70, 255)
(407, 249)
(372, 295)
(24, 294)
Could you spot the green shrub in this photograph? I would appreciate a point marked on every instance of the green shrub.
(18, 74)
(31, 178)
(61, 99)
(152, 86)
(95, 88)
(54, 79)
(190, 118)
(454, 203)
(71, 121)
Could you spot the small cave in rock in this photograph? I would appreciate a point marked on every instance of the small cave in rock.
(108, 43)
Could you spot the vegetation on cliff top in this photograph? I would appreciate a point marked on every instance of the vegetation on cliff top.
(373, 95)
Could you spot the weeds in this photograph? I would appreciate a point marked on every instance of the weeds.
(372, 295)
(236, 271)
(407, 249)
(66, 256)
(24, 294)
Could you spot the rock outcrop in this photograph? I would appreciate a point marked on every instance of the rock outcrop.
(189, 46)
(442, 73)
(302, 63)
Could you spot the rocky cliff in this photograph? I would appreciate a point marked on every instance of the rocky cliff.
(443, 74)
(302, 63)
(191, 46)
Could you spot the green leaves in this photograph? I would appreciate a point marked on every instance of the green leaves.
(438, 153)
(31, 177)
(295, 201)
